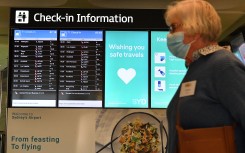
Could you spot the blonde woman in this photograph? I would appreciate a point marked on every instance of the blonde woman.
(212, 94)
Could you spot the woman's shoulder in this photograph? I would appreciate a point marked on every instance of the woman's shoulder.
(223, 58)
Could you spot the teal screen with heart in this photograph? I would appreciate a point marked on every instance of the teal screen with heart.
(126, 69)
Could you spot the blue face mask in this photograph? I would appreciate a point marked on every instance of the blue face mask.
(176, 45)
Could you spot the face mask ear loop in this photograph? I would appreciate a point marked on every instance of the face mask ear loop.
(192, 41)
(189, 47)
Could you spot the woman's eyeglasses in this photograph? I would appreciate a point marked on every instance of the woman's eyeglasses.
(173, 27)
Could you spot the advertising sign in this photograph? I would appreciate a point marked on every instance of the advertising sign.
(43, 130)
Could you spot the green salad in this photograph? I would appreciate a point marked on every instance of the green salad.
(139, 137)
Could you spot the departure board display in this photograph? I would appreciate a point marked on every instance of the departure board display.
(81, 68)
(34, 68)
(57, 68)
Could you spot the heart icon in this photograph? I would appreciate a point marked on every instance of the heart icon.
(126, 75)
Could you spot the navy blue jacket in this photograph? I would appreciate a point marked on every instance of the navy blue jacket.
(219, 97)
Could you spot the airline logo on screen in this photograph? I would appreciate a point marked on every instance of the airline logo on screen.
(22, 17)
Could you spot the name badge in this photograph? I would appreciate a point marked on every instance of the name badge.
(188, 88)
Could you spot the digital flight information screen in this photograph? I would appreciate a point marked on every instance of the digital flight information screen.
(81, 68)
(34, 68)
(54, 68)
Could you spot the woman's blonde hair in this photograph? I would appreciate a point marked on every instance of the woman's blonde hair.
(196, 17)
